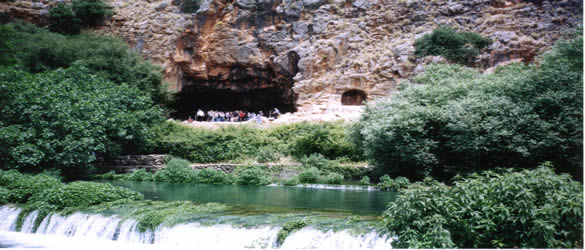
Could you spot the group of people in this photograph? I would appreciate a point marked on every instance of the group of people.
(233, 116)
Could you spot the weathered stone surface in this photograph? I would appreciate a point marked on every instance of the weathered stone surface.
(130, 163)
(312, 51)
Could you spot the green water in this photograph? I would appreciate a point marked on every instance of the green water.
(265, 197)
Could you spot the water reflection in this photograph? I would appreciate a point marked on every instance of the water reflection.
(356, 201)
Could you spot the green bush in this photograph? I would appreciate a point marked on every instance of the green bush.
(90, 12)
(47, 194)
(310, 175)
(22, 187)
(288, 228)
(212, 176)
(457, 47)
(39, 50)
(79, 194)
(328, 139)
(252, 176)
(365, 181)
(267, 154)
(4, 195)
(177, 171)
(63, 20)
(528, 209)
(454, 121)
(140, 175)
(64, 119)
(334, 178)
(388, 184)
(68, 19)
(291, 181)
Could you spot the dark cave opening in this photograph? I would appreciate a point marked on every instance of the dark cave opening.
(265, 99)
(354, 97)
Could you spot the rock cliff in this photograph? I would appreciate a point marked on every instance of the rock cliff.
(313, 56)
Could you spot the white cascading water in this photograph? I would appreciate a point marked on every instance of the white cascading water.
(101, 230)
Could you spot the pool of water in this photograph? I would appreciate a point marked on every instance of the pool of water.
(273, 197)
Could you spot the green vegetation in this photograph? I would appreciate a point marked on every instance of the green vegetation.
(453, 120)
(188, 6)
(63, 20)
(289, 227)
(246, 143)
(47, 194)
(365, 181)
(388, 184)
(267, 154)
(459, 47)
(334, 178)
(252, 176)
(176, 170)
(310, 175)
(69, 19)
(527, 209)
(37, 50)
(64, 118)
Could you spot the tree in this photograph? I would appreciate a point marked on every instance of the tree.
(64, 119)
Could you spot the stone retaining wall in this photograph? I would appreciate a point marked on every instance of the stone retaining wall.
(130, 163)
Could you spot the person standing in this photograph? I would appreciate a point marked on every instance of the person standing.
(200, 115)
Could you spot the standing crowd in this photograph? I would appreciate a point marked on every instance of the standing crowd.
(233, 116)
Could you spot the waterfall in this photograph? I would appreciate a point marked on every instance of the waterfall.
(104, 230)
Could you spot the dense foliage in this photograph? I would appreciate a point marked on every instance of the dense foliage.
(454, 121)
(388, 184)
(37, 50)
(289, 227)
(63, 20)
(65, 118)
(69, 19)
(528, 209)
(459, 47)
(47, 194)
(244, 143)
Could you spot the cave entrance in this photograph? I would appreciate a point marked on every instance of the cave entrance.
(266, 99)
(354, 97)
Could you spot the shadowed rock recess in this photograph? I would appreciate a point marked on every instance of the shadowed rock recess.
(303, 55)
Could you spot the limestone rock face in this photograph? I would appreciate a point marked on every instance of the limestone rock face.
(306, 54)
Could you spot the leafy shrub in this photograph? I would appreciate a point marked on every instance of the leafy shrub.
(188, 6)
(365, 181)
(455, 121)
(289, 227)
(267, 154)
(213, 176)
(22, 186)
(310, 175)
(39, 50)
(140, 175)
(177, 171)
(47, 194)
(334, 178)
(291, 181)
(68, 19)
(90, 12)
(4, 195)
(528, 209)
(111, 175)
(64, 119)
(328, 139)
(252, 176)
(63, 20)
(457, 47)
(79, 194)
(389, 184)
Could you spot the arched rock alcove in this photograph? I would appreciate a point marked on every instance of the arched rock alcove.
(354, 97)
